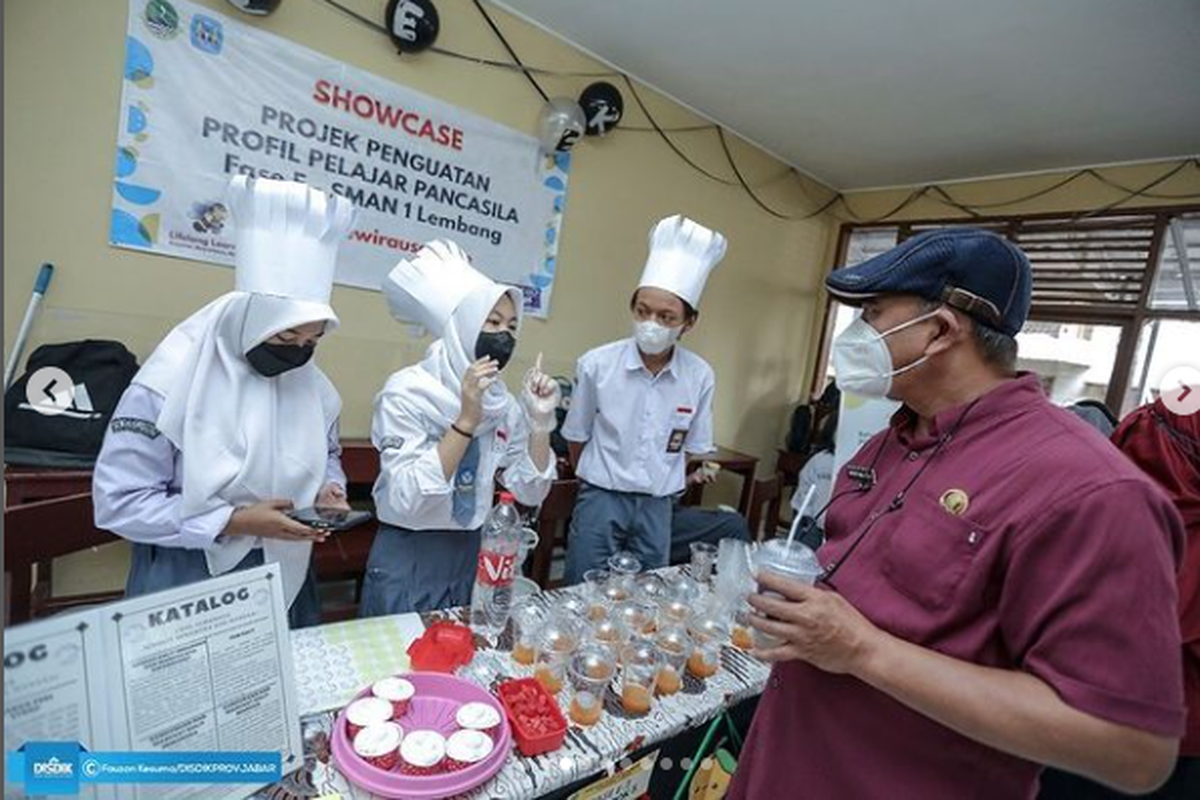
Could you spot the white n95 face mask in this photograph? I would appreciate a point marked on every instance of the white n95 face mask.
(862, 362)
(653, 338)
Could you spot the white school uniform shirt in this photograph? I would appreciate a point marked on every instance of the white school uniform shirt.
(412, 490)
(138, 479)
(639, 428)
(818, 472)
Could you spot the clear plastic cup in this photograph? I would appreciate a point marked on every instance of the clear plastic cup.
(674, 647)
(571, 604)
(704, 557)
(558, 642)
(681, 587)
(741, 633)
(610, 632)
(639, 617)
(676, 610)
(624, 563)
(639, 674)
(528, 621)
(791, 560)
(616, 590)
(597, 581)
(650, 587)
(591, 672)
(708, 634)
(624, 567)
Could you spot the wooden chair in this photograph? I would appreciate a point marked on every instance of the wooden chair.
(35, 534)
(553, 524)
(764, 508)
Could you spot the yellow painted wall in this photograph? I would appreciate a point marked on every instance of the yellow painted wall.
(62, 81)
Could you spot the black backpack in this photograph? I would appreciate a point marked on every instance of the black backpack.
(101, 371)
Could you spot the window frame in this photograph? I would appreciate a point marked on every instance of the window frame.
(1130, 322)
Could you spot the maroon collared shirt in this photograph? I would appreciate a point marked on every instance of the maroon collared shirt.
(1027, 543)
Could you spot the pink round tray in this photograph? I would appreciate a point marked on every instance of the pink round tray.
(437, 700)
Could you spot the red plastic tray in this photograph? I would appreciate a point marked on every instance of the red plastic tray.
(528, 742)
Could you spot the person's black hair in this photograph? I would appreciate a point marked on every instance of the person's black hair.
(690, 314)
(826, 436)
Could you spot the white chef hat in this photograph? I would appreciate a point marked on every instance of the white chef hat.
(288, 234)
(682, 254)
(428, 287)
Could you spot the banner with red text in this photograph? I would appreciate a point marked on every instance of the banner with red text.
(206, 97)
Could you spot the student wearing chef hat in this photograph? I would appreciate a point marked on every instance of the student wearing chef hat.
(640, 406)
(443, 428)
(229, 425)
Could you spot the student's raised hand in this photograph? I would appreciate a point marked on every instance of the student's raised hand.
(332, 496)
(479, 376)
(540, 397)
(269, 521)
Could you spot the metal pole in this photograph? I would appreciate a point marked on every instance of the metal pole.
(39, 291)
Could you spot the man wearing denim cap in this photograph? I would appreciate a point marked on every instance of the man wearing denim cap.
(998, 590)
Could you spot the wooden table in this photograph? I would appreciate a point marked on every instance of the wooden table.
(341, 557)
(30, 484)
(732, 461)
(360, 461)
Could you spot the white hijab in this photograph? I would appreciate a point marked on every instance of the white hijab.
(245, 438)
(449, 357)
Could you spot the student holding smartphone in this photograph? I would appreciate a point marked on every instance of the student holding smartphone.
(229, 426)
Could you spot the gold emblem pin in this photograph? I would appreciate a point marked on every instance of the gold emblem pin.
(956, 501)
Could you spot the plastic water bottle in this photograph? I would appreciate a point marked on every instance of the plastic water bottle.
(491, 599)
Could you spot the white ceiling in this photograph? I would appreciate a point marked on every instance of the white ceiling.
(866, 93)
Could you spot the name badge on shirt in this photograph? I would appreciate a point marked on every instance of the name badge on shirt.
(679, 429)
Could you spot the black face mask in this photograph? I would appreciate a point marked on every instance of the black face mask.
(270, 360)
(498, 346)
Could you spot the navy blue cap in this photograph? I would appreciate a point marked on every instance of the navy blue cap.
(979, 273)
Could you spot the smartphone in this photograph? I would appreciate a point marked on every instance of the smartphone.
(329, 519)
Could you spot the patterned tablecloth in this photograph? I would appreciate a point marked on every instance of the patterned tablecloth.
(333, 662)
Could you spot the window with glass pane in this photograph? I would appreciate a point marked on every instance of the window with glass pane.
(1075, 362)
(1162, 345)
(1177, 284)
(1116, 295)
